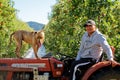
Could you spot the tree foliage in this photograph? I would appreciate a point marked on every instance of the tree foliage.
(7, 14)
(9, 23)
(65, 28)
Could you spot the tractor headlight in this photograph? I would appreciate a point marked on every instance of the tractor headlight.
(59, 65)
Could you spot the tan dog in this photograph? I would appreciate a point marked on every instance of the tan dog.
(33, 38)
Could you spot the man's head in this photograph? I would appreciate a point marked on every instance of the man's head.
(90, 26)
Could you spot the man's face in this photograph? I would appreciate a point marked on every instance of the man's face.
(90, 28)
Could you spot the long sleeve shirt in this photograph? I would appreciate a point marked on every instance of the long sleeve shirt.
(93, 46)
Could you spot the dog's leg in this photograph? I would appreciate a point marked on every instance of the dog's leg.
(35, 48)
(17, 52)
(18, 47)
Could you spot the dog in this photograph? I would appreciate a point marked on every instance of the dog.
(35, 39)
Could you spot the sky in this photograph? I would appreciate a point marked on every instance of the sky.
(34, 10)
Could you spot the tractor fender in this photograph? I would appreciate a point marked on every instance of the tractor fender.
(97, 66)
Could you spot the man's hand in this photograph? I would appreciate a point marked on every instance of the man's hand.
(113, 63)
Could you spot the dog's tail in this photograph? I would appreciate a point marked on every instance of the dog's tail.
(10, 40)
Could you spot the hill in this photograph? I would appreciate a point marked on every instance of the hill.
(35, 25)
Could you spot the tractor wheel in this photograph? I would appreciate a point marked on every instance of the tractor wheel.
(106, 74)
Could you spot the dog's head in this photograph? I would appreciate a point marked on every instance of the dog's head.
(40, 36)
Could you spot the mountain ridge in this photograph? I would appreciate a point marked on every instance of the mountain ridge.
(35, 25)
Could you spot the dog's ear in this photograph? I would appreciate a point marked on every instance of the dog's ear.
(34, 33)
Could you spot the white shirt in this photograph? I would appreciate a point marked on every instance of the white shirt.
(94, 46)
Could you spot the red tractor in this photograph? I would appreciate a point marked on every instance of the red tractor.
(51, 68)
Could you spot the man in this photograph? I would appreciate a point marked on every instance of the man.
(93, 44)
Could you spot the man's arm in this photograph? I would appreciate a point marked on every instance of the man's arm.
(106, 48)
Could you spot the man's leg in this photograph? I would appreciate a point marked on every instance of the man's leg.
(74, 68)
(79, 64)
